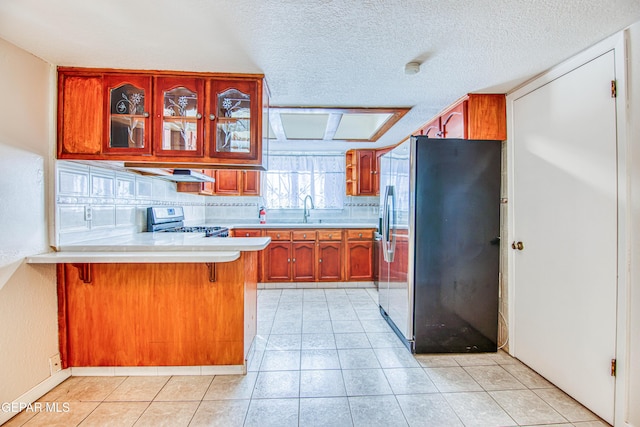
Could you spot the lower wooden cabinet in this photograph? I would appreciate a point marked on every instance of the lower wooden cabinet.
(360, 260)
(314, 255)
(330, 262)
(157, 314)
(318, 255)
(303, 262)
(360, 255)
(277, 262)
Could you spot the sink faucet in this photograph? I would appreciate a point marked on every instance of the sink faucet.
(306, 212)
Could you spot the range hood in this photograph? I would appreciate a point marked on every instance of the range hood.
(189, 175)
(177, 175)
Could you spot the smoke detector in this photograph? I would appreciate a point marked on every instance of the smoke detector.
(412, 68)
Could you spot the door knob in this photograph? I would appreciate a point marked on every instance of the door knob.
(517, 245)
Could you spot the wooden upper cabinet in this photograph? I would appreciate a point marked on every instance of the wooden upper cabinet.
(361, 173)
(201, 188)
(474, 116)
(235, 118)
(251, 183)
(212, 119)
(433, 129)
(231, 182)
(453, 122)
(179, 108)
(80, 116)
(487, 117)
(127, 106)
(367, 168)
(228, 182)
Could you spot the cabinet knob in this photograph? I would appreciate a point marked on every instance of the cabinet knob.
(198, 116)
(320, 260)
(288, 259)
(330, 235)
(359, 234)
(146, 114)
(304, 236)
(212, 116)
(247, 234)
(278, 235)
(294, 260)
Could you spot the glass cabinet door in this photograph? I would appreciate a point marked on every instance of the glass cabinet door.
(179, 113)
(127, 127)
(235, 110)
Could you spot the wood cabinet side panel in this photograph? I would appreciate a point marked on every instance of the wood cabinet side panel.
(156, 315)
(62, 315)
(101, 330)
(250, 262)
(487, 117)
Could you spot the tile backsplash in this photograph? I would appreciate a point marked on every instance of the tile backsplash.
(245, 210)
(94, 202)
(97, 202)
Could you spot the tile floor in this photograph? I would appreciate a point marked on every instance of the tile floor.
(324, 357)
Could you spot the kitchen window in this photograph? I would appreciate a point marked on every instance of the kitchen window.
(291, 177)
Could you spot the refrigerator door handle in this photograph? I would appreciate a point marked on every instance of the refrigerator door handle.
(385, 225)
(388, 238)
(392, 224)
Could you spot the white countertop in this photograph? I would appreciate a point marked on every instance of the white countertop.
(176, 242)
(154, 248)
(134, 257)
(315, 225)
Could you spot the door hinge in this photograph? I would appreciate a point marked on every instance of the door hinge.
(613, 367)
(614, 91)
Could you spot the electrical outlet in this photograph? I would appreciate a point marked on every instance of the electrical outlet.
(55, 364)
(88, 213)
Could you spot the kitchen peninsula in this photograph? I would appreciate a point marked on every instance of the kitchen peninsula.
(157, 299)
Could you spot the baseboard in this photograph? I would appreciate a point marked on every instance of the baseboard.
(34, 394)
(131, 371)
(316, 285)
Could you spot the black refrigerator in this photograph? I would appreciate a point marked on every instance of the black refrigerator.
(440, 224)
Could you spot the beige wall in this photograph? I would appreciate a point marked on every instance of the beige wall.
(28, 319)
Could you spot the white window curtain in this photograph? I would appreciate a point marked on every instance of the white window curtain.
(291, 178)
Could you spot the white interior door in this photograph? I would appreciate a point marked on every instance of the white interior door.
(565, 214)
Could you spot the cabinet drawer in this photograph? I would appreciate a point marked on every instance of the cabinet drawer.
(279, 234)
(247, 232)
(330, 235)
(304, 235)
(360, 234)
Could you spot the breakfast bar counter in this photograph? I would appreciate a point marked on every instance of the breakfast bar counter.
(157, 299)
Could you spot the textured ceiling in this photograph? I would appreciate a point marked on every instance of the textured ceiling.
(325, 52)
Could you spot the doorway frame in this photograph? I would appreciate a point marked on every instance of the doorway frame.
(618, 44)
